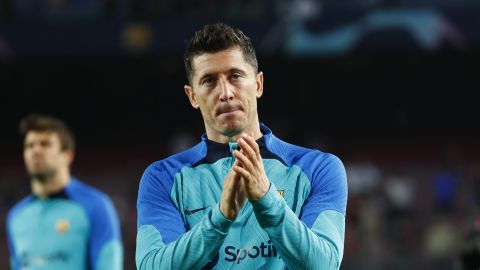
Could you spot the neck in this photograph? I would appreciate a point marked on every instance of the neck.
(222, 138)
(52, 185)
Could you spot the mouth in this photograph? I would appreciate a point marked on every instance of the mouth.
(38, 161)
(225, 111)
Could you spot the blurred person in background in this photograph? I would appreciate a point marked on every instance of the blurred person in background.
(241, 198)
(469, 257)
(64, 223)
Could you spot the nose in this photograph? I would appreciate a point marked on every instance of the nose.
(36, 148)
(226, 89)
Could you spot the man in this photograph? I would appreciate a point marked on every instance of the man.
(241, 198)
(64, 224)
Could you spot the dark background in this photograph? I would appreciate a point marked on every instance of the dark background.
(402, 116)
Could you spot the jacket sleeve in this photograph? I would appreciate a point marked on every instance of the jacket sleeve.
(104, 243)
(14, 262)
(162, 240)
(314, 241)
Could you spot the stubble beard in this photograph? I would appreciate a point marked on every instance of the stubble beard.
(42, 176)
(233, 129)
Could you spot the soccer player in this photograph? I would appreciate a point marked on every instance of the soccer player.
(64, 223)
(241, 198)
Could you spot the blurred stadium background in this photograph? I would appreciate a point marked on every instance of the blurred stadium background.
(388, 86)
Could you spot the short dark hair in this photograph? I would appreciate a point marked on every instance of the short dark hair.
(35, 122)
(213, 38)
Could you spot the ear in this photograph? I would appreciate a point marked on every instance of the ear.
(259, 84)
(69, 155)
(191, 96)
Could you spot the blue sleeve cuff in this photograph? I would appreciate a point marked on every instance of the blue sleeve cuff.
(270, 209)
(219, 221)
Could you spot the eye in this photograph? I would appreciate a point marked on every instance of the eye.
(45, 143)
(236, 77)
(207, 81)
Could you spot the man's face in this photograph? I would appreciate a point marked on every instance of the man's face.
(43, 154)
(225, 88)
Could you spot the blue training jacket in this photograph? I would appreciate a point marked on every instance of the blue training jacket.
(76, 228)
(298, 224)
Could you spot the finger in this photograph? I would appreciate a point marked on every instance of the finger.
(236, 162)
(229, 184)
(242, 172)
(229, 195)
(253, 144)
(240, 195)
(241, 198)
(247, 149)
(243, 160)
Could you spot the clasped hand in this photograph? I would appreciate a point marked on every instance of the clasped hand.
(246, 179)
